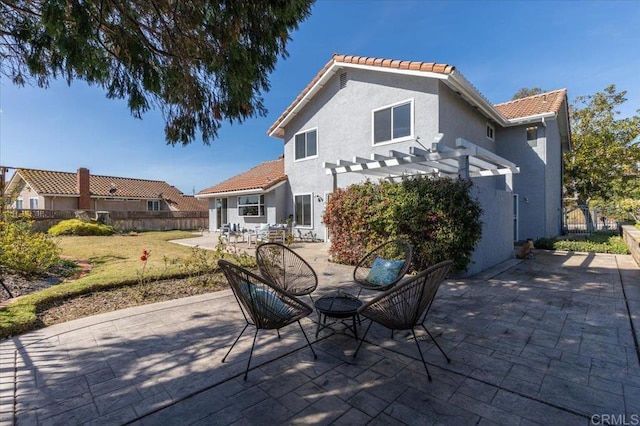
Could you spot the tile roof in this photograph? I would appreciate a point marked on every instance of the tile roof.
(263, 177)
(47, 182)
(533, 105)
(362, 60)
(522, 108)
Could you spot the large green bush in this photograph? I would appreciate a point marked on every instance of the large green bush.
(23, 251)
(598, 242)
(439, 218)
(78, 227)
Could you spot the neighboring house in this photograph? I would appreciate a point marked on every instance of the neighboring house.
(377, 118)
(257, 196)
(32, 189)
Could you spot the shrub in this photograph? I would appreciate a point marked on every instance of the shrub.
(438, 217)
(78, 227)
(598, 242)
(23, 251)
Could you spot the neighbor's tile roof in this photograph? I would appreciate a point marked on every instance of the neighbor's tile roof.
(363, 60)
(533, 105)
(47, 182)
(262, 177)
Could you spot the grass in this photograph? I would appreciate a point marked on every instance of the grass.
(598, 242)
(115, 262)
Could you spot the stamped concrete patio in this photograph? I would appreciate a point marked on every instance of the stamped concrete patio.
(547, 340)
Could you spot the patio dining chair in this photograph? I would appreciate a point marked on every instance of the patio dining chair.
(384, 266)
(263, 304)
(406, 305)
(287, 269)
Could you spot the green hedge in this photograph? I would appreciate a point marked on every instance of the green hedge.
(78, 227)
(598, 242)
(438, 217)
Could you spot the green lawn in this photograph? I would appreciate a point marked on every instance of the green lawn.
(115, 261)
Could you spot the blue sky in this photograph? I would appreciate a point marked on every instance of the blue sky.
(498, 46)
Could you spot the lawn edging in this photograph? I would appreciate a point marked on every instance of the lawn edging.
(631, 236)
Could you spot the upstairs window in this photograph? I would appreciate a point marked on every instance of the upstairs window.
(153, 205)
(491, 132)
(532, 136)
(306, 144)
(251, 205)
(33, 204)
(393, 122)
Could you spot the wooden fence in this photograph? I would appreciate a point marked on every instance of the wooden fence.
(125, 220)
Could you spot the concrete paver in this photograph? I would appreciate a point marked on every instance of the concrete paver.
(547, 340)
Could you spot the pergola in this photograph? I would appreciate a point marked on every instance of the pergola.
(466, 160)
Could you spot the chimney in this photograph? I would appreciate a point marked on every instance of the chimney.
(84, 202)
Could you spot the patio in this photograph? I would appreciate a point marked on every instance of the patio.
(546, 340)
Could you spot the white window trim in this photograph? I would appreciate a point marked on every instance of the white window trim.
(148, 201)
(311, 157)
(310, 194)
(259, 204)
(411, 136)
(493, 132)
(37, 202)
(21, 203)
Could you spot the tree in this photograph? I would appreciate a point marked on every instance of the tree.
(201, 62)
(604, 159)
(525, 92)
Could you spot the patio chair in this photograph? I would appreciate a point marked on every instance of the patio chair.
(263, 305)
(285, 268)
(384, 266)
(406, 305)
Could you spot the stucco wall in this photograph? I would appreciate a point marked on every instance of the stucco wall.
(553, 179)
(343, 118)
(530, 183)
(631, 236)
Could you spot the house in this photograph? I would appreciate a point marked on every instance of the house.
(257, 196)
(371, 118)
(32, 189)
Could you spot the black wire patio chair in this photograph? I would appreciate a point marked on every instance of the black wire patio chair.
(406, 305)
(287, 269)
(384, 266)
(263, 304)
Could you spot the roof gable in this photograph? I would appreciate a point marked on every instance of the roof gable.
(49, 183)
(506, 114)
(261, 177)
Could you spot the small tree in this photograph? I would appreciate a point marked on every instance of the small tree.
(526, 92)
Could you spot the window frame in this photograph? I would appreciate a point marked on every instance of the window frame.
(153, 203)
(295, 212)
(20, 201)
(306, 157)
(37, 203)
(412, 130)
(259, 205)
(491, 128)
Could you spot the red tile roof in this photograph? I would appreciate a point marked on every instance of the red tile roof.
(533, 105)
(516, 109)
(361, 60)
(263, 177)
(47, 182)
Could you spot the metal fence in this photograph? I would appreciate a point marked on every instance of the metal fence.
(582, 220)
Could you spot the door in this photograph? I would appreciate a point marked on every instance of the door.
(221, 211)
(516, 237)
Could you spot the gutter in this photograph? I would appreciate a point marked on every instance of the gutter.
(240, 192)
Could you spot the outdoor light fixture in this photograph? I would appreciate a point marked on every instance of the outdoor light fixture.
(319, 198)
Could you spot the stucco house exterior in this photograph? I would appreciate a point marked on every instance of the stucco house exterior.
(372, 118)
(37, 190)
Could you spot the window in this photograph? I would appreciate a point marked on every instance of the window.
(251, 205)
(491, 132)
(153, 205)
(306, 144)
(303, 210)
(33, 203)
(532, 136)
(19, 203)
(393, 122)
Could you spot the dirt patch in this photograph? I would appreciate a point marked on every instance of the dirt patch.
(125, 297)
